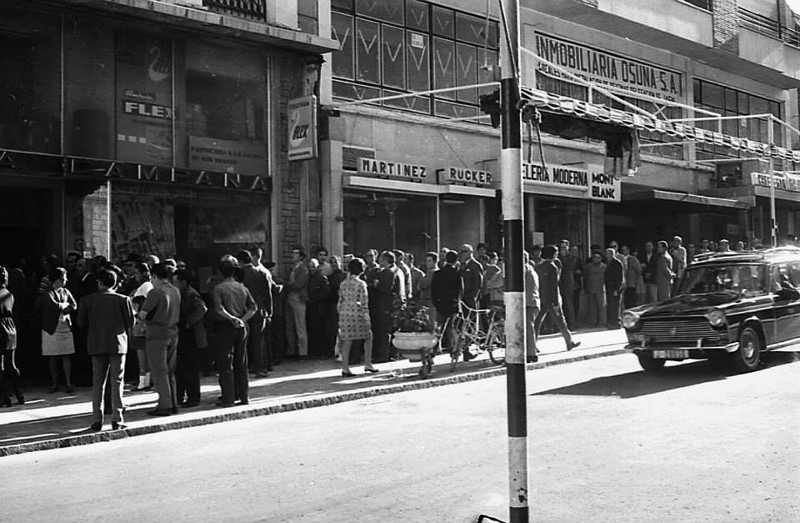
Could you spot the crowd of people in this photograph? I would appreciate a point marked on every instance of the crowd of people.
(92, 318)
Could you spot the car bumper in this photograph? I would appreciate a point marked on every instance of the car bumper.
(682, 350)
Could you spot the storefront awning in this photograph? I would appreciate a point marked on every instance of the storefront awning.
(382, 184)
(600, 113)
(686, 198)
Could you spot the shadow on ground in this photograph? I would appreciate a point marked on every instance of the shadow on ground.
(671, 377)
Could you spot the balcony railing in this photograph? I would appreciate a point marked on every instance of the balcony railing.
(766, 26)
(250, 9)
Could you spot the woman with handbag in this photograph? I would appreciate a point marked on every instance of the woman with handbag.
(57, 343)
(9, 374)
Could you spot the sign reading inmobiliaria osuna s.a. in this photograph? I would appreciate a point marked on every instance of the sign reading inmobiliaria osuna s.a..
(589, 183)
(606, 68)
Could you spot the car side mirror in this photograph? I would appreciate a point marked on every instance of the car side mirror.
(788, 293)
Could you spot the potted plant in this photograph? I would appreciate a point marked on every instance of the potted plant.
(415, 333)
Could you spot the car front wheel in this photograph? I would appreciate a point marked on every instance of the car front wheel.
(648, 362)
(746, 358)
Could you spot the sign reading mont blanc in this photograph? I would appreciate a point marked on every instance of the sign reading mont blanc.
(397, 170)
(462, 176)
(590, 183)
(606, 68)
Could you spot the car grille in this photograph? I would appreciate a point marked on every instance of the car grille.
(682, 331)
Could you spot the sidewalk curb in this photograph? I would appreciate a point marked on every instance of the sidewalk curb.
(252, 412)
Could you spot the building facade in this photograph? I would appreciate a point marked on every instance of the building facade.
(162, 128)
(420, 173)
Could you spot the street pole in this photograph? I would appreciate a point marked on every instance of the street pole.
(773, 221)
(514, 295)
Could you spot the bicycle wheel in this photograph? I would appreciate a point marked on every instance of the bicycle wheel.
(496, 343)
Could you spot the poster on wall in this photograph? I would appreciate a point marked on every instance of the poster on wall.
(142, 226)
(303, 128)
(144, 109)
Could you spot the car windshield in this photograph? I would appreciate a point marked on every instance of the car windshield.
(741, 279)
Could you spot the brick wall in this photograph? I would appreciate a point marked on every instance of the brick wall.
(290, 178)
(726, 25)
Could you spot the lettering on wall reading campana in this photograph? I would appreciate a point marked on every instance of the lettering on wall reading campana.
(609, 69)
(589, 183)
(382, 168)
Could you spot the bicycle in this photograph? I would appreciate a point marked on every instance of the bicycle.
(475, 331)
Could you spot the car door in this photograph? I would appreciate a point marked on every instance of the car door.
(787, 309)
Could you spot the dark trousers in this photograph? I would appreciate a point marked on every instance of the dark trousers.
(256, 327)
(317, 325)
(631, 298)
(189, 366)
(553, 309)
(381, 329)
(232, 362)
(107, 368)
(612, 309)
(9, 375)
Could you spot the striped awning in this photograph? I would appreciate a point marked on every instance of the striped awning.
(581, 109)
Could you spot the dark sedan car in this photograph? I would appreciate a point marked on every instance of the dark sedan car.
(733, 305)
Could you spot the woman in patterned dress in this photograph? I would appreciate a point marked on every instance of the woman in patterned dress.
(354, 321)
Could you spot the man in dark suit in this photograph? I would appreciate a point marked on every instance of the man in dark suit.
(550, 294)
(445, 292)
(258, 281)
(108, 318)
(614, 283)
(390, 293)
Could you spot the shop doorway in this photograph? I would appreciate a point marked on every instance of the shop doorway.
(382, 221)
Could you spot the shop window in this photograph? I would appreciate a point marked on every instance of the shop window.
(30, 105)
(224, 112)
(90, 91)
(144, 90)
(732, 102)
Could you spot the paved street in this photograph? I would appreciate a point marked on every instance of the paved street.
(608, 443)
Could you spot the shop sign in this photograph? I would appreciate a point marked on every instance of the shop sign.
(242, 157)
(396, 170)
(607, 69)
(144, 99)
(590, 183)
(303, 128)
(461, 176)
(786, 182)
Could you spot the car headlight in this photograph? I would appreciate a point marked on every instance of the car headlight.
(716, 318)
(629, 319)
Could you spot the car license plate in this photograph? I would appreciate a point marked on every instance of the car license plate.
(675, 354)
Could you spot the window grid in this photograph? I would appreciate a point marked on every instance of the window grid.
(390, 47)
(732, 102)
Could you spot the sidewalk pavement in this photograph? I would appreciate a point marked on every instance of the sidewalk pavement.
(57, 420)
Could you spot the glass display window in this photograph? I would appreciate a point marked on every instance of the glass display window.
(221, 109)
(30, 82)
